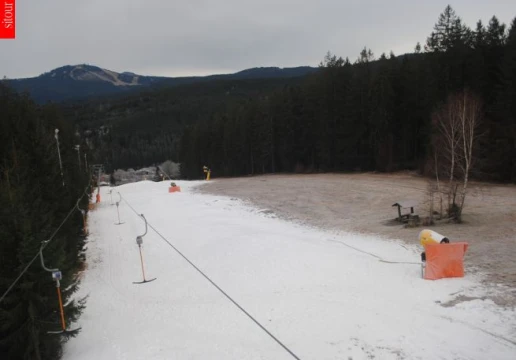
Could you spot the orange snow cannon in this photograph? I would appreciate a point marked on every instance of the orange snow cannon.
(442, 259)
(445, 260)
(174, 188)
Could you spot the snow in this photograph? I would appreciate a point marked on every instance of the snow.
(102, 75)
(325, 295)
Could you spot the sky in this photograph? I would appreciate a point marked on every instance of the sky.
(201, 37)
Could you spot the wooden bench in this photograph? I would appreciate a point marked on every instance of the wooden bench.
(405, 204)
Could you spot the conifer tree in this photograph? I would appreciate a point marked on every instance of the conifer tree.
(34, 204)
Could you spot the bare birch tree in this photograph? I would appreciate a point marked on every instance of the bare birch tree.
(470, 118)
(446, 144)
(439, 190)
(456, 124)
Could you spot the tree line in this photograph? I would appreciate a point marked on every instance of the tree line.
(371, 115)
(145, 128)
(34, 202)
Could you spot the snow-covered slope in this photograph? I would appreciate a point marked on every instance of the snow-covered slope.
(322, 294)
(89, 73)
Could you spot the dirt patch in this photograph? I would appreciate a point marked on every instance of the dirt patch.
(363, 203)
(461, 298)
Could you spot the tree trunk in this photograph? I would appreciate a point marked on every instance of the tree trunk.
(438, 188)
(34, 332)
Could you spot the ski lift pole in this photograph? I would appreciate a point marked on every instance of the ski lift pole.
(61, 310)
(56, 132)
(117, 210)
(141, 260)
(56, 276)
(83, 212)
(139, 241)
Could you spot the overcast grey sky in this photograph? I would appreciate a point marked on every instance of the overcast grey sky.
(198, 37)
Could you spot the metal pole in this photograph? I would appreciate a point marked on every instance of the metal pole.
(61, 310)
(56, 275)
(118, 212)
(86, 161)
(139, 241)
(59, 154)
(141, 260)
(83, 212)
(78, 148)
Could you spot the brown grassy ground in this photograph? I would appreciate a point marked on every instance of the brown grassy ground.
(363, 203)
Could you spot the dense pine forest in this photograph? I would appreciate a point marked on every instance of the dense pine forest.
(34, 203)
(372, 115)
(143, 129)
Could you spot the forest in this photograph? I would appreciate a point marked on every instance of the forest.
(144, 129)
(39, 202)
(371, 115)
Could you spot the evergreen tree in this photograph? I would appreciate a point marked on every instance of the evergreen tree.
(34, 204)
(441, 38)
(495, 35)
(479, 37)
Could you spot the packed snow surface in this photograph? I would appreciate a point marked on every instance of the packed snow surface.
(324, 295)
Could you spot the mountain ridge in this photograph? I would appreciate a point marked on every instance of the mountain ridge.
(75, 82)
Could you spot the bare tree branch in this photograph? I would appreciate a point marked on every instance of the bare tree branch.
(456, 124)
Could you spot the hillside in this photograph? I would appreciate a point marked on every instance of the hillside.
(139, 129)
(75, 82)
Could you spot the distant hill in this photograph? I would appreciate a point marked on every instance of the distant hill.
(271, 72)
(74, 82)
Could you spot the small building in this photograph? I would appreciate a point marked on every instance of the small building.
(405, 205)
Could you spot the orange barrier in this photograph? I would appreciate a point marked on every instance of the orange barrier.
(98, 198)
(174, 189)
(445, 260)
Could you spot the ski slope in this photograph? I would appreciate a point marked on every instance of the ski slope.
(324, 295)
